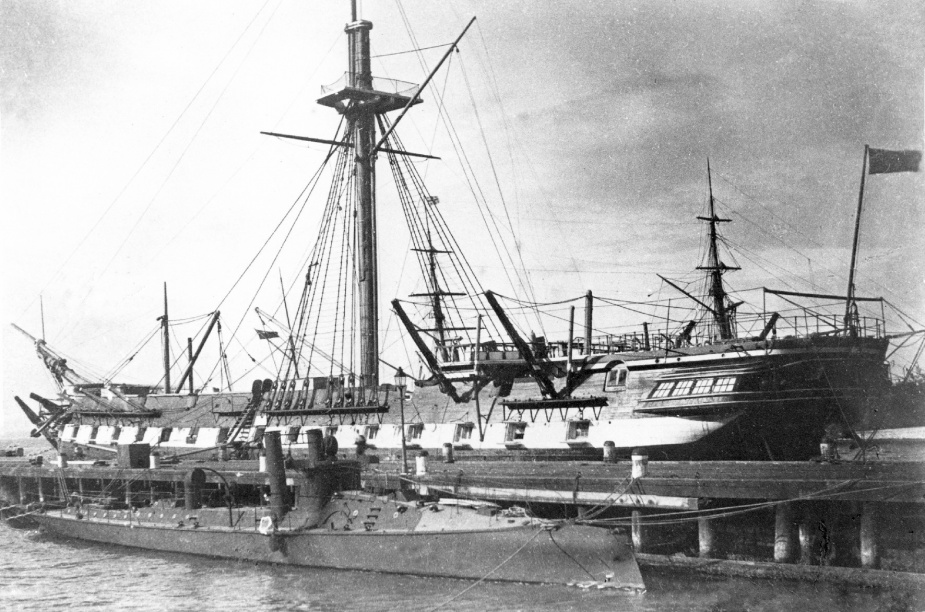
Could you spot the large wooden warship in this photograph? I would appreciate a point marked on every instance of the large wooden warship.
(725, 384)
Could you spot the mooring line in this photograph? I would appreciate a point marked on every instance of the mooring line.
(485, 577)
(574, 560)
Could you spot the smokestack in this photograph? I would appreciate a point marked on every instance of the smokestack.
(279, 494)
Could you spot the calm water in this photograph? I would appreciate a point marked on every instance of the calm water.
(39, 572)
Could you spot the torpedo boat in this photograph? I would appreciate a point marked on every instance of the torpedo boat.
(317, 517)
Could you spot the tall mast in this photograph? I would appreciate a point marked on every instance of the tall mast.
(360, 104)
(716, 268)
(361, 120)
(851, 308)
(166, 332)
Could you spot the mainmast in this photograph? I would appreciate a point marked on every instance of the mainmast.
(362, 126)
(361, 104)
(716, 268)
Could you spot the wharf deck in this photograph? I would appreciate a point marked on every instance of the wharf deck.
(669, 483)
(666, 484)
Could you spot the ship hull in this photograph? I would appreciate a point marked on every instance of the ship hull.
(522, 554)
(771, 400)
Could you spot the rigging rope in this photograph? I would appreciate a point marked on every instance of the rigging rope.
(178, 161)
(151, 154)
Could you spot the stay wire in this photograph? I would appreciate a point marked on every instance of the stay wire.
(153, 151)
(179, 159)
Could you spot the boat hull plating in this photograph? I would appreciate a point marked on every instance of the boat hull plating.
(521, 554)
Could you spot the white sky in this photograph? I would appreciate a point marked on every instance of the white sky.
(610, 110)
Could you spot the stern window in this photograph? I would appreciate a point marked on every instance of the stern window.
(724, 385)
(703, 386)
(616, 380)
(662, 389)
(683, 387)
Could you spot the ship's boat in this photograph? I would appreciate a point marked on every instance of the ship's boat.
(714, 380)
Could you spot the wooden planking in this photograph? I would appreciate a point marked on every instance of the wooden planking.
(891, 482)
(586, 482)
(589, 498)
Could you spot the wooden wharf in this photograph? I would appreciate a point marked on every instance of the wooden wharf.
(672, 484)
(840, 514)
(843, 514)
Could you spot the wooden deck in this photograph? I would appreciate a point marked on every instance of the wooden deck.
(670, 484)
(666, 484)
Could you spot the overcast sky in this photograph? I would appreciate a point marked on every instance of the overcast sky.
(131, 152)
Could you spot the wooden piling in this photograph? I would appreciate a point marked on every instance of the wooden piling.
(707, 538)
(870, 549)
(639, 532)
(809, 539)
(22, 491)
(784, 536)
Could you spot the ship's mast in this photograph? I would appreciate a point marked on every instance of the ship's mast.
(851, 306)
(716, 268)
(165, 328)
(361, 103)
(362, 125)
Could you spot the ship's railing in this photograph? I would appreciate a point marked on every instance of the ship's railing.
(391, 86)
(794, 323)
(324, 393)
(805, 323)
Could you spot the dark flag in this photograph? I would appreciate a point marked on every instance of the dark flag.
(883, 161)
(266, 335)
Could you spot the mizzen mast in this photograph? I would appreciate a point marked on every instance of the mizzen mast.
(716, 268)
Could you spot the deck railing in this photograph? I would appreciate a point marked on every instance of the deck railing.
(802, 323)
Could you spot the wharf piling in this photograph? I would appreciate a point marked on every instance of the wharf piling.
(793, 514)
(821, 514)
(784, 533)
(870, 550)
(707, 538)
